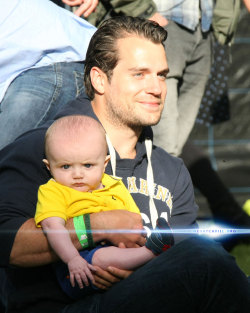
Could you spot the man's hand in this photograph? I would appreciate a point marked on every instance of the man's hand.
(86, 7)
(105, 279)
(111, 223)
(120, 274)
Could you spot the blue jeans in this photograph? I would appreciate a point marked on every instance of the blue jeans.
(196, 275)
(36, 95)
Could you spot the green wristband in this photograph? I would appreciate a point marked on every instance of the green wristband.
(80, 230)
(89, 232)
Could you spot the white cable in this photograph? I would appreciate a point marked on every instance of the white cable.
(112, 155)
(150, 183)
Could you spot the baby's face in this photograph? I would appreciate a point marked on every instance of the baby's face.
(78, 165)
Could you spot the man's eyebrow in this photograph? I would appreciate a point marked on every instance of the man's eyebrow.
(137, 68)
(143, 69)
(165, 71)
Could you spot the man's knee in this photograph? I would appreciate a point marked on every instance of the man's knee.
(203, 248)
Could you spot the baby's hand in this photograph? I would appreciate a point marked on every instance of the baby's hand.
(80, 270)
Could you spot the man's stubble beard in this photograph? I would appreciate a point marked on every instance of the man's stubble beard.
(123, 119)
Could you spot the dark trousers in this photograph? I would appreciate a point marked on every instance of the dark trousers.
(196, 275)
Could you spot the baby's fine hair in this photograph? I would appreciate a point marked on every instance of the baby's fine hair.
(71, 126)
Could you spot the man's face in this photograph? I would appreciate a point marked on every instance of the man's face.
(137, 90)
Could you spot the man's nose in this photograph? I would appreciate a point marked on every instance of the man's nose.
(154, 85)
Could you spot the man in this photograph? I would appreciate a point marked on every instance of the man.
(125, 74)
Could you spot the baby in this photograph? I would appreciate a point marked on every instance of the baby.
(76, 156)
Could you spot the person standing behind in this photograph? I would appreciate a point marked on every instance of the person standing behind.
(42, 51)
(80, 7)
(106, 9)
(188, 50)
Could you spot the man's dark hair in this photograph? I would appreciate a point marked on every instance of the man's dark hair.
(103, 50)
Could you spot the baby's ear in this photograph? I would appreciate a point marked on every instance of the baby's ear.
(107, 159)
(46, 162)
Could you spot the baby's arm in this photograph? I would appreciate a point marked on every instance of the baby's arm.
(160, 240)
(61, 243)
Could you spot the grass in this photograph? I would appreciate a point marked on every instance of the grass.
(241, 253)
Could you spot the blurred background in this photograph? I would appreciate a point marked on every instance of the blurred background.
(228, 143)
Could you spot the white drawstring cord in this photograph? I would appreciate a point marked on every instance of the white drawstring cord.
(150, 176)
(150, 183)
(112, 155)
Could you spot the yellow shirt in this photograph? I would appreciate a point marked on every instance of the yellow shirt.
(55, 199)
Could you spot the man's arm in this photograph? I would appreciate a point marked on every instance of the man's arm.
(31, 247)
(109, 223)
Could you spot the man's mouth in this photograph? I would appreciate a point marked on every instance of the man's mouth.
(150, 102)
(151, 105)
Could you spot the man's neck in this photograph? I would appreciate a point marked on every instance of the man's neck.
(122, 137)
(123, 141)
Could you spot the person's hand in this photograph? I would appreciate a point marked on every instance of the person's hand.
(86, 7)
(158, 18)
(105, 279)
(80, 271)
(113, 222)
(120, 274)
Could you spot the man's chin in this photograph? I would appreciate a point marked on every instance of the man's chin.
(152, 121)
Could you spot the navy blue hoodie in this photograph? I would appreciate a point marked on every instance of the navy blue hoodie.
(22, 172)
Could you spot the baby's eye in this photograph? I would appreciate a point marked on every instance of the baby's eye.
(66, 166)
(87, 165)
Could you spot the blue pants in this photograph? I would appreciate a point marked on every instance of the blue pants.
(36, 95)
(196, 275)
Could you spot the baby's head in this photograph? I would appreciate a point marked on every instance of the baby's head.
(76, 152)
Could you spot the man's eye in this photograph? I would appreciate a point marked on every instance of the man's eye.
(138, 74)
(163, 76)
(66, 166)
(87, 165)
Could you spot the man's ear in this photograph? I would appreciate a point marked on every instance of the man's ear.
(98, 79)
(107, 159)
(46, 162)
